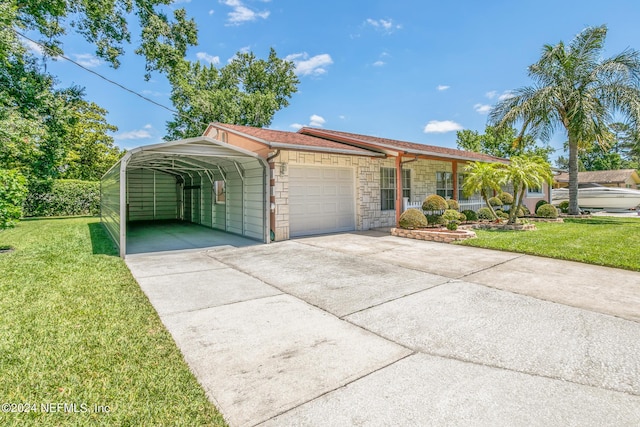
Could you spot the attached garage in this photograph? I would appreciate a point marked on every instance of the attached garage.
(321, 200)
(198, 181)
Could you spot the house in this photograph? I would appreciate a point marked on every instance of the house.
(266, 184)
(625, 178)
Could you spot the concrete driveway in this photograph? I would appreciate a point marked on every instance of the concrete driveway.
(369, 329)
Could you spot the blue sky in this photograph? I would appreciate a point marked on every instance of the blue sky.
(409, 70)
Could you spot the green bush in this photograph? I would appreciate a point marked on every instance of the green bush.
(495, 201)
(506, 198)
(453, 215)
(453, 225)
(13, 191)
(453, 204)
(434, 203)
(564, 206)
(470, 215)
(502, 214)
(540, 203)
(436, 220)
(64, 197)
(412, 218)
(547, 211)
(484, 213)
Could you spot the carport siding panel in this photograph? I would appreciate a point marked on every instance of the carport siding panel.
(151, 195)
(254, 204)
(234, 198)
(110, 202)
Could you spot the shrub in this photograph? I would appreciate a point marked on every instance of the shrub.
(63, 197)
(484, 213)
(413, 218)
(453, 204)
(452, 215)
(436, 220)
(13, 191)
(547, 211)
(502, 214)
(470, 215)
(453, 225)
(434, 203)
(564, 206)
(506, 198)
(495, 201)
(540, 203)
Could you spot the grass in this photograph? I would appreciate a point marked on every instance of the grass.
(609, 241)
(76, 329)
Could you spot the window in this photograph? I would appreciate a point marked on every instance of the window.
(535, 192)
(388, 187)
(220, 192)
(444, 184)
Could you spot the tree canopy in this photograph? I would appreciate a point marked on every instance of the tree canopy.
(578, 90)
(501, 142)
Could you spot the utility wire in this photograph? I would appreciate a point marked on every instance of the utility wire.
(177, 113)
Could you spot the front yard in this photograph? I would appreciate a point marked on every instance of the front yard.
(80, 344)
(609, 241)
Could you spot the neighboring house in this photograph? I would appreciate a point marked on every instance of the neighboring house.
(624, 178)
(273, 185)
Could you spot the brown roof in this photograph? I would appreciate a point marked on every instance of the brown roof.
(383, 144)
(283, 139)
(602, 177)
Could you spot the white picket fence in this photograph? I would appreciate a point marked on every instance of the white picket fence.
(473, 205)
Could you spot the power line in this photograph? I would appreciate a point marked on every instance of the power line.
(177, 113)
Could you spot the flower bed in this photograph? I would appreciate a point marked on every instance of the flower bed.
(434, 234)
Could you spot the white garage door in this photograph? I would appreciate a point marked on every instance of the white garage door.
(321, 200)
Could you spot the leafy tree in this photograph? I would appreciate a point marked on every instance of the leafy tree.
(483, 178)
(247, 91)
(500, 142)
(13, 191)
(524, 172)
(579, 90)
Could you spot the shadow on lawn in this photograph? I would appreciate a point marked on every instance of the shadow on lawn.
(101, 243)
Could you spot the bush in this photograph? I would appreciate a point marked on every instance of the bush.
(540, 203)
(470, 215)
(436, 220)
(564, 206)
(453, 225)
(412, 218)
(453, 215)
(453, 204)
(547, 211)
(13, 191)
(63, 197)
(506, 198)
(502, 214)
(484, 213)
(434, 203)
(495, 201)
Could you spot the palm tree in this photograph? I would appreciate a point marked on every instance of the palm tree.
(576, 89)
(525, 172)
(482, 178)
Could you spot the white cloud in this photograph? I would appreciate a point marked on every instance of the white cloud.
(501, 97)
(443, 87)
(32, 46)
(134, 134)
(296, 126)
(241, 13)
(314, 66)
(384, 25)
(491, 94)
(204, 56)
(316, 120)
(211, 12)
(482, 108)
(378, 63)
(437, 126)
(86, 60)
(505, 95)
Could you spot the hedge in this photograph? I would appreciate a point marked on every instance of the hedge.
(63, 197)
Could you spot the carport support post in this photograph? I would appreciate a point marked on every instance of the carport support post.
(398, 188)
(123, 204)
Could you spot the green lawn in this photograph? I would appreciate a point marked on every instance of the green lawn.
(609, 241)
(76, 329)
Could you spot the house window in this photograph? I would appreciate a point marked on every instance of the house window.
(388, 187)
(444, 184)
(220, 192)
(535, 192)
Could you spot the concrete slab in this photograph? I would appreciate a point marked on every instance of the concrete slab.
(259, 358)
(157, 265)
(338, 283)
(602, 289)
(492, 327)
(423, 390)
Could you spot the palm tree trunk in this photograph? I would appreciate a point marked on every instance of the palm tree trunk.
(573, 176)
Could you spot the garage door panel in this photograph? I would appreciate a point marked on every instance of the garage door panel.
(321, 200)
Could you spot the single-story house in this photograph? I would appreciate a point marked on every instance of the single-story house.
(269, 185)
(624, 178)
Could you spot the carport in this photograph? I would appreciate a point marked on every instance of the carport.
(213, 192)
